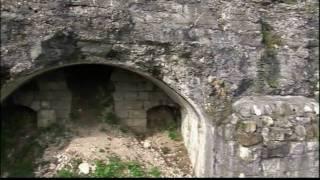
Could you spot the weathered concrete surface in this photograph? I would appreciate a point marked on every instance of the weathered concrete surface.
(209, 52)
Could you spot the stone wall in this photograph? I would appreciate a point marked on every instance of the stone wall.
(50, 98)
(253, 47)
(133, 96)
(270, 136)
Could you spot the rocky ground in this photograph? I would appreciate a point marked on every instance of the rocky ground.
(83, 146)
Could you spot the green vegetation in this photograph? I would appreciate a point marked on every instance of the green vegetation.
(114, 169)
(154, 172)
(20, 162)
(268, 66)
(65, 173)
(173, 132)
(269, 39)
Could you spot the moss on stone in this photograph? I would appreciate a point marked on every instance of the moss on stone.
(268, 66)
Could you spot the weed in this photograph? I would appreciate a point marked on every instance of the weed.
(65, 173)
(114, 169)
(135, 169)
(174, 133)
(154, 172)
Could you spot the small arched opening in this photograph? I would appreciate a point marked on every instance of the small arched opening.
(163, 117)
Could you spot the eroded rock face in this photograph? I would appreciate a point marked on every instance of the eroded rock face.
(210, 52)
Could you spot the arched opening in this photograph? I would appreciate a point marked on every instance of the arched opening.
(161, 117)
(87, 94)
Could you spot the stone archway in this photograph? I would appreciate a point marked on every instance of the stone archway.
(191, 127)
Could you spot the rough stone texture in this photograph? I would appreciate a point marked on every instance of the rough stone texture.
(283, 151)
(211, 53)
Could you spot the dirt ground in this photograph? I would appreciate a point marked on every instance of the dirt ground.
(96, 142)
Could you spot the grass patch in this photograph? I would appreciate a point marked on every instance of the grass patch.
(154, 172)
(135, 169)
(111, 170)
(65, 173)
(173, 132)
(114, 169)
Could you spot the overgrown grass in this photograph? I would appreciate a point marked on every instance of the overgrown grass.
(115, 169)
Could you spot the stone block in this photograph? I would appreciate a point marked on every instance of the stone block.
(300, 131)
(268, 121)
(144, 96)
(122, 114)
(137, 114)
(138, 129)
(61, 104)
(131, 95)
(118, 96)
(249, 126)
(312, 146)
(273, 168)
(249, 139)
(144, 86)
(133, 105)
(126, 86)
(229, 131)
(35, 105)
(46, 118)
(297, 147)
(245, 111)
(149, 104)
(278, 134)
(274, 150)
(302, 120)
(45, 104)
(136, 122)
